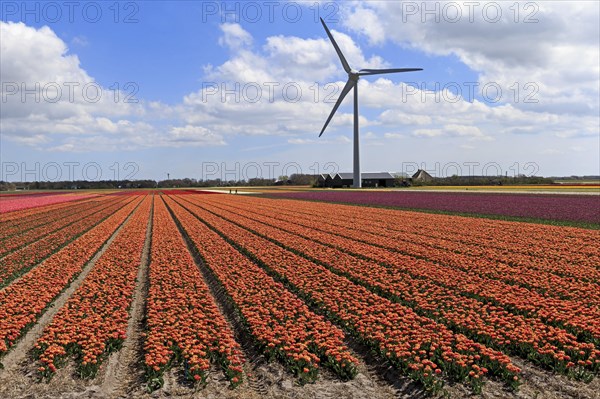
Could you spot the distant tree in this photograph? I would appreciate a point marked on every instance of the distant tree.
(300, 179)
(6, 186)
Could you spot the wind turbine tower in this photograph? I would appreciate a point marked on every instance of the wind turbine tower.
(352, 83)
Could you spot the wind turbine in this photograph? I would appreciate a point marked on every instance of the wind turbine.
(352, 83)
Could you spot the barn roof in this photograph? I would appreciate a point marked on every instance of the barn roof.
(378, 175)
(422, 174)
(344, 175)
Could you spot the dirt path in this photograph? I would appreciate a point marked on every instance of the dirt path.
(121, 376)
(252, 387)
(18, 378)
(270, 379)
(123, 371)
(538, 383)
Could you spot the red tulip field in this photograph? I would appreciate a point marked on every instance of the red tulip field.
(184, 294)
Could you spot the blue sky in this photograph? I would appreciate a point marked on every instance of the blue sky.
(546, 120)
(186, 37)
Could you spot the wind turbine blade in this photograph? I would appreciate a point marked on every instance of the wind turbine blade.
(349, 85)
(337, 49)
(364, 72)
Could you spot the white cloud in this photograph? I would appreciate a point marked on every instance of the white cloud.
(193, 135)
(80, 41)
(60, 116)
(51, 64)
(46, 92)
(464, 130)
(281, 90)
(369, 136)
(366, 21)
(551, 151)
(394, 135)
(205, 118)
(393, 117)
(234, 36)
(302, 141)
(428, 133)
(561, 62)
(557, 51)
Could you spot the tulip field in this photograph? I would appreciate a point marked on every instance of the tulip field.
(181, 293)
(558, 206)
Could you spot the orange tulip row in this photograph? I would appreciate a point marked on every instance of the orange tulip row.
(577, 316)
(93, 321)
(280, 322)
(26, 216)
(23, 301)
(551, 242)
(27, 220)
(48, 225)
(526, 273)
(183, 321)
(525, 336)
(564, 242)
(580, 316)
(418, 346)
(517, 251)
(19, 262)
(523, 271)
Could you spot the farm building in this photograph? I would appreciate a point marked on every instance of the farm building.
(381, 179)
(324, 180)
(342, 180)
(422, 175)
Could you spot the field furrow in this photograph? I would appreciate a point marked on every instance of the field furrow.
(50, 225)
(280, 322)
(416, 345)
(580, 319)
(570, 247)
(512, 239)
(16, 263)
(19, 308)
(8, 205)
(93, 321)
(183, 321)
(178, 293)
(31, 218)
(541, 281)
(528, 337)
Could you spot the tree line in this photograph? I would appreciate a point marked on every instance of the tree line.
(295, 179)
